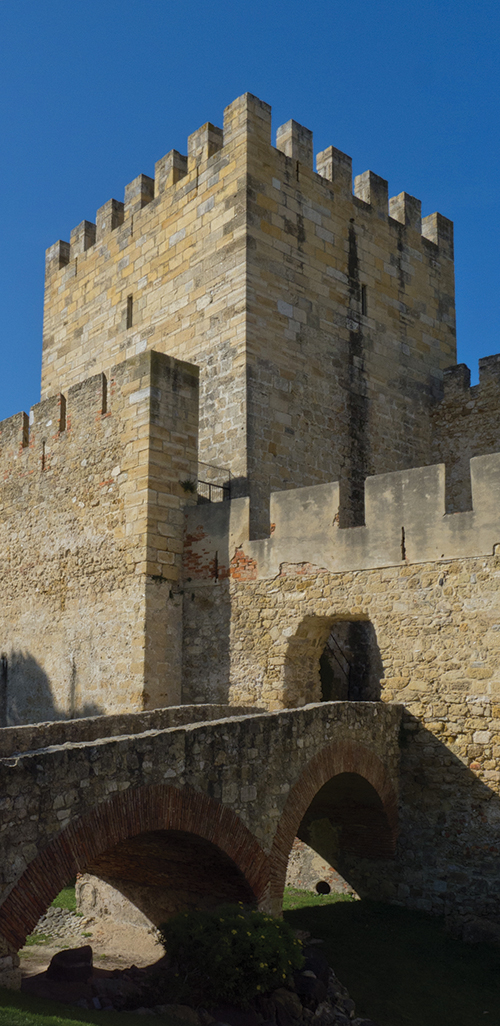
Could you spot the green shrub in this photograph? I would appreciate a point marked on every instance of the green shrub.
(231, 953)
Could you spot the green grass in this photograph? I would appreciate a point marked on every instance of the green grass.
(400, 966)
(66, 899)
(37, 938)
(17, 1009)
(293, 898)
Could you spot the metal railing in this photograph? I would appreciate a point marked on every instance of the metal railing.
(214, 490)
(209, 492)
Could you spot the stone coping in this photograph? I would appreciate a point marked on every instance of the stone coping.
(34, 736)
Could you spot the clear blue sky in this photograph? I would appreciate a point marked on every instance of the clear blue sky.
(93, 92)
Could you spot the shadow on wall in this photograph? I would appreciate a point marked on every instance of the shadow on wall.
(26, 694)
(206, 625)
(447, 857)
(332, 659)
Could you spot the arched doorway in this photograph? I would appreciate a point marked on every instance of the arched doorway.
(332, 658)
(350, 666)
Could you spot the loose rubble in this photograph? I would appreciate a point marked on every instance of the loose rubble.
(60, 922)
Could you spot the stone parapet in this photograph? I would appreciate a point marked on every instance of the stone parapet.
(405, 522)
(38, 736)
(92, 798)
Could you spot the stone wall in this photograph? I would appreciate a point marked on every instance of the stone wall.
(433, 626)
(466, 424)
(437, 629)
(31, 737)
(350, 323)
(164, 270)
(91, 522)
(321, 321)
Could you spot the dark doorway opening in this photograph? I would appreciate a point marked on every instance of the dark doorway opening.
(350, 666)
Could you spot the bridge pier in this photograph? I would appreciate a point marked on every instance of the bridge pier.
(10, 973)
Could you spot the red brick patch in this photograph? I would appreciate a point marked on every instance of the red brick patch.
(243, 568)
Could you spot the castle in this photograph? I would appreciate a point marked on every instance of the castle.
(257, 476)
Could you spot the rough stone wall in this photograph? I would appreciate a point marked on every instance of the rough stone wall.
(321, 321)
(91, 522)
(437, 628)
(437, 631)
(26, 738)
(434, 629)
(466, 424)
(405, 525)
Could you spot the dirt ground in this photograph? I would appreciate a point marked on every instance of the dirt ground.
(114, 947)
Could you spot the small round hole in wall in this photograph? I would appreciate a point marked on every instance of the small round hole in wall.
(322, 887)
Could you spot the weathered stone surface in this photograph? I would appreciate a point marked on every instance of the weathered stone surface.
(80, 596)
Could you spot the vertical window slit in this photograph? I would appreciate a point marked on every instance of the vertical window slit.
(403, 544)
(3, 689)
(43, 455)
(62, 413)
(364, 307)
(130, 311)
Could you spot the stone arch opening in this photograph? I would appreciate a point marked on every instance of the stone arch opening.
(347, 816)
(332, 658)
(344, 807)
(145, 879)
(138, 812)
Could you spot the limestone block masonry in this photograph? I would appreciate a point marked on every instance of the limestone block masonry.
(321, 320)
(243, 327)
(91, 525)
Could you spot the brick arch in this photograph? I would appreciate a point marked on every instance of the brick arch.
(338, 757)
(132, 812)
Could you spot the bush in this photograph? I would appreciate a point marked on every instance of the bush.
(231, 953)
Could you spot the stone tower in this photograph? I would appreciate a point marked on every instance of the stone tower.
(321, 320)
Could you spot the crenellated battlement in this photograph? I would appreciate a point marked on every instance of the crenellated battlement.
(294, 141)
(30, 443)
(456, 380)
(405, 523)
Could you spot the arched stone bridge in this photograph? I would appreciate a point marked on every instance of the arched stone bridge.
(208, 809)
